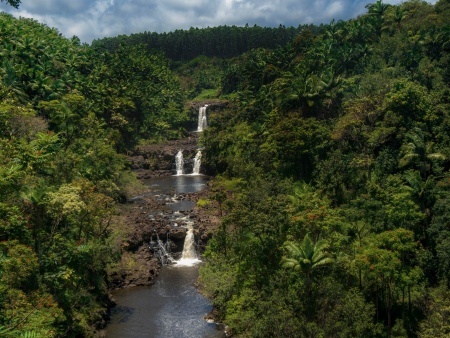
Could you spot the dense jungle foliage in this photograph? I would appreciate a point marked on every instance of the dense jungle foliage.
(66, 115)
(222, 41)
(334, 181)
(332, 170)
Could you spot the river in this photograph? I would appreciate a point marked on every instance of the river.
(172, 307)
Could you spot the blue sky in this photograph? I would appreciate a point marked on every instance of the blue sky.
(93, 19)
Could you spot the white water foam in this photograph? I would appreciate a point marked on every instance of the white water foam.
(202, 123)
(197, 163)
(179, 162)
(188, 256)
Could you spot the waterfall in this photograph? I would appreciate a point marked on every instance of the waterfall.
(179, 162)
(202, 123)
(164, 256)
(197, 163)
(161, 250)
(189, 256)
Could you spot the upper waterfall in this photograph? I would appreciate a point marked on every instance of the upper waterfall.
(202, 122)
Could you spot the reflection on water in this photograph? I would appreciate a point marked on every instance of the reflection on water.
(170, 308)
(177, 184)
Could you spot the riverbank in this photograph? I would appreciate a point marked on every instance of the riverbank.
(151, 215)
(147, 217)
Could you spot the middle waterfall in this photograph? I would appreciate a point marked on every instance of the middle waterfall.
(197, 163)
(179, 162)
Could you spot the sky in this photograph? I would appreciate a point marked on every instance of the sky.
(95, 19)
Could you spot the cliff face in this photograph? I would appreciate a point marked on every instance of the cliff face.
(213, 104)
(159, 159)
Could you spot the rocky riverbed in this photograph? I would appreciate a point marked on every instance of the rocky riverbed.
(152, 215)
(147, 214)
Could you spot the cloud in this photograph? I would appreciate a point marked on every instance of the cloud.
(94, 19)
(53, 7)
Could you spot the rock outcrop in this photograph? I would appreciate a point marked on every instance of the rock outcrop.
(149, 217)
(153, 160)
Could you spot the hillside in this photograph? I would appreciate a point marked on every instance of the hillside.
(334, 163)
(329, 147)
(67, 116)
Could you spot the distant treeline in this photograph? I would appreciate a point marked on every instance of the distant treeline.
(221, 41)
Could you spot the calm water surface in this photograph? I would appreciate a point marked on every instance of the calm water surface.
(177, 184)
(172, 307)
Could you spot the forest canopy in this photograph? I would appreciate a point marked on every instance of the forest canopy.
(334, 175)
(67, 116)
(331, 160)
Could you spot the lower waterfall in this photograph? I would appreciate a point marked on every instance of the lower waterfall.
(161, 251)
(189, 255)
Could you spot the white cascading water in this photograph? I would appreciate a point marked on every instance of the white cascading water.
(189, 256)
(202, 123)
(197, 163)
(179, 162)
(161, 250)
(164, 256)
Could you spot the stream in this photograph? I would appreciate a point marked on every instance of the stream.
(172, 307)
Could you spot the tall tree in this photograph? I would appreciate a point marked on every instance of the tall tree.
(306, 257)
(378, 10)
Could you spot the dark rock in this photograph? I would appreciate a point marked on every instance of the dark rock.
(146, 217)
(178, 233)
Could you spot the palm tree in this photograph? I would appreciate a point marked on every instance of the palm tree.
(418, 151)
(398, 15)
(11, 82)
(334, 30)
(378, 10)
(306, 257)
